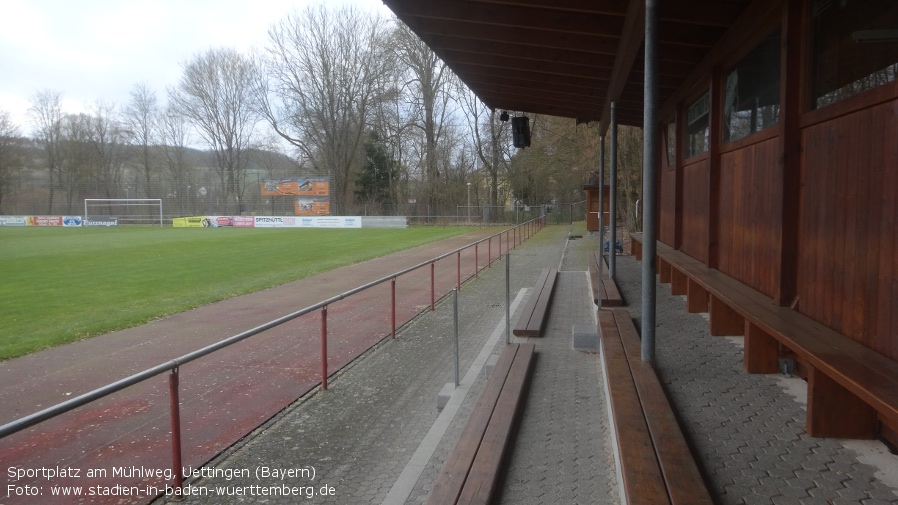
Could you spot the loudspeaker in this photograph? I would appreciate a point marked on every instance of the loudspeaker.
(520, 131)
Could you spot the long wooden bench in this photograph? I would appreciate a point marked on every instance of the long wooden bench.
(851, 388)
(533, 318)
(655, 462)
(472, 470)
(611, 296)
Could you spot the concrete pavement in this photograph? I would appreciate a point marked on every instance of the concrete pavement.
(364, 440)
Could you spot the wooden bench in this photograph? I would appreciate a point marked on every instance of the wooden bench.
(655, 462)
(533, 318)
(472, 470)
(851, 388)
(611, 296)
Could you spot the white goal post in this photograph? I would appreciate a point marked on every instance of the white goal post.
(92, 206)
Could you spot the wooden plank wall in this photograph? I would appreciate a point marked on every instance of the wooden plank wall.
(696, 204)
(848, 246)
(667, 193)
(749, 226)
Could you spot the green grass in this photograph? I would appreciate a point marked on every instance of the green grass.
(61, 285)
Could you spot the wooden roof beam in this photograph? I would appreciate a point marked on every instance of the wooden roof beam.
(610, 7)
(490, 33)
(513, 16)
(504, 63)
(628, 50)
(582, 56)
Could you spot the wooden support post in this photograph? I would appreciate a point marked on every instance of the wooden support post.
(724, 320)
(697, 298)
(663, 271)
(761, 351)
(636, 249)
(677, 282)
(833, 411)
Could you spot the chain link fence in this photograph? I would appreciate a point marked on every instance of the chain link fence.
(200, 195)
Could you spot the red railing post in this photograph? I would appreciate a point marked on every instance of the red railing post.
(324, 347)
(175, 400)
(476, 261)
(393, 303)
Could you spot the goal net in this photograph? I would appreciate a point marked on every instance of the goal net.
(125, 210)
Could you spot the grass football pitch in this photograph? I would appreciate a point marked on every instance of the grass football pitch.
(60, 285)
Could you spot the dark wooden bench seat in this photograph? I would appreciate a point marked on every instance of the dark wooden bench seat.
(611, 296)
(851, 388)
(471, 472)
(655, 461)
(533, 318)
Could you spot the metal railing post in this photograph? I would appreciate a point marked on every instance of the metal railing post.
(489, 252)
(455, 327)
(476, 260)
(324, 348)
(432, 287)
(175, 400)
(459, 269)
(393, 305)
(507, 300)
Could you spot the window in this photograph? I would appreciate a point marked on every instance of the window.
(751, 98)
(855, 47)
(697, 129)
(670, 140)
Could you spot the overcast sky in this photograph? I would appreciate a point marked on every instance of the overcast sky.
(92, 50)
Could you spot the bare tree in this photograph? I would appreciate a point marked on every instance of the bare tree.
(216, 95)
(76, 157)
(490, 136)
(11, 145)
(46, 119)
(174, 138)
(325, 71)
(107, 139)
(140, 119)
(430, 94)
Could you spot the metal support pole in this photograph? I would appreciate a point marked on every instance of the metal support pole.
(476, 260)
(612, 205)
(507, 298)
(175, 400)
(649, 180)
(455, 327)
(601, 265)
(489, 252)
(393, 305)
(432, 287)
(324, 348)
(459, 269)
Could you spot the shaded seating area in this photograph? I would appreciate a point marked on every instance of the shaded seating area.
(654, 459)
(610, 295)
(850, 387)
(473, 468)
(533, 318)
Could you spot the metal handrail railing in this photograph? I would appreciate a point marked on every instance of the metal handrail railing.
(172, 365)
